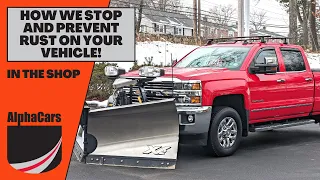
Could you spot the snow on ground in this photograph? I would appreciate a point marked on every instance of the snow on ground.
(98, 103)
(314, 60)
(157, 49)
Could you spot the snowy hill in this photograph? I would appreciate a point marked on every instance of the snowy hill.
(156, 49)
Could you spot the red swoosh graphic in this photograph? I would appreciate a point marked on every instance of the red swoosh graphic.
(41, 162)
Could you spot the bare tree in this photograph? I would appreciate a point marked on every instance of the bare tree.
(256, 2)
(162, 4)
(258, 19)
(303, 18)
(166, 5)
(174, 5)
(138, 23)
(122, 3)
(303, 11)
(195, 27)
(313, 29)
(293, 33)
(222, 14)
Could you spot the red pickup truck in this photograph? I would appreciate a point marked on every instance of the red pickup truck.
(225, 90)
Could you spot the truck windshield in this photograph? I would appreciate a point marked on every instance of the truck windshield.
(219, 57)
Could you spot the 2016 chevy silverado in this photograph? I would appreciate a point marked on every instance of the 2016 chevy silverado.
(225, 90)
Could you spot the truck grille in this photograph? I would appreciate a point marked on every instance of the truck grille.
(164, 85)
(154, 91)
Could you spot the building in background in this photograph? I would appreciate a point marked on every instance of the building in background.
(161, 22)
(265, 32)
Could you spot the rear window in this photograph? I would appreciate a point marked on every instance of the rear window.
(293, 60)
(219, 57)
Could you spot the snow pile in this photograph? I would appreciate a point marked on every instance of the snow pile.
(98, 103)
(314, 60)
(156, 50)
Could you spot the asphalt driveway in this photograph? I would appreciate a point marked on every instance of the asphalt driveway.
(286, 154)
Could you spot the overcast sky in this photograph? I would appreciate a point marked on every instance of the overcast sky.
(276, 14)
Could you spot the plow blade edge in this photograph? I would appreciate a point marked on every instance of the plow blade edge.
(138, 135)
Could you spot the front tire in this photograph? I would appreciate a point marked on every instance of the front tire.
(225, 132)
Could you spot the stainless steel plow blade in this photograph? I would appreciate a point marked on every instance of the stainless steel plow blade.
(138, 135)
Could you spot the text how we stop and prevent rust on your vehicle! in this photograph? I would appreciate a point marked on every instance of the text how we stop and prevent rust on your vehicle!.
(56, 34)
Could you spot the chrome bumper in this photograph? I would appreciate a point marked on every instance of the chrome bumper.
(202, 117)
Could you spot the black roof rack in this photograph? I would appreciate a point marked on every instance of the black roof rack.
(245, 39)
(285, 39)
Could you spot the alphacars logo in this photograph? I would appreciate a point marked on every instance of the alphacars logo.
(34, 149)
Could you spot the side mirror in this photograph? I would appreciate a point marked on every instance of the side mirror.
(270, 65)
(113, 72)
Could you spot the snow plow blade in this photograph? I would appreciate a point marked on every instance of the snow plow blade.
(138, 135)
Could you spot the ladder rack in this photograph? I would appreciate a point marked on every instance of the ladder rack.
(244, 39)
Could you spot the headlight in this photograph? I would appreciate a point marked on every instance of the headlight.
(188, 92)
(113, 71)
(187, 86)
(150, 71)
(195, 99)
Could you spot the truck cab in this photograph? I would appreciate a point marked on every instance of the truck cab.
(225, 90)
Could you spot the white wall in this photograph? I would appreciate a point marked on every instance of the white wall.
(148, 27)
(187, 32)
(169, 29)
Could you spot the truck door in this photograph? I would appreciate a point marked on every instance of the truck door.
(267, 91)
(299, 81)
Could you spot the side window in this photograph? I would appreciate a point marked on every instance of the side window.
(293, 60)
(265, 53)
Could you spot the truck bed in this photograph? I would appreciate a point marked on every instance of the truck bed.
(316, 76)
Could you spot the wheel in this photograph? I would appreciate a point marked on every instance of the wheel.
(225, 132)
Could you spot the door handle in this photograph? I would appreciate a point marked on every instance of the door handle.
(281, 80)
(308, 79)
